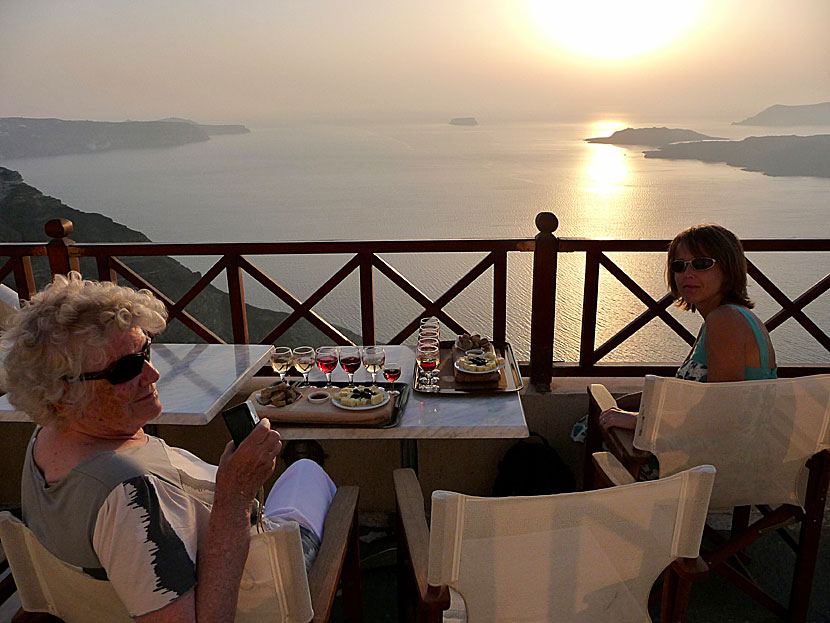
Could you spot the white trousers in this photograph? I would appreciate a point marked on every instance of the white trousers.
(303, 493)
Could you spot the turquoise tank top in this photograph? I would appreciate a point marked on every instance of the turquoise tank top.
(696, 369)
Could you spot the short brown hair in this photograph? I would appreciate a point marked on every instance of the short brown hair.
(710, 240)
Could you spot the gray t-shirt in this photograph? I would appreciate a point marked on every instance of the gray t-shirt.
(134, 517)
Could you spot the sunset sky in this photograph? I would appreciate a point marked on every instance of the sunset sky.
(260, 61)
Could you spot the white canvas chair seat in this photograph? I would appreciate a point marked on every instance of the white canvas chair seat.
(574, 557)
(758, 434)
(274, 586)
(770, 443)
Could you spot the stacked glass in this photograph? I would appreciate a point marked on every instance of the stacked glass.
(428, 353)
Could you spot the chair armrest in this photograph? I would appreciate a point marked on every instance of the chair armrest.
(601, 396)
(620, 442)
(612, 472)
(412, 524)
(340, 538)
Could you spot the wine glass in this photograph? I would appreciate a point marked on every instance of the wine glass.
(327, 362)
(429, 320)
(392, 372)
(281, 360)
(373, 359)
(350, 361)
(432, 341)
(427, 358)
(304, 361)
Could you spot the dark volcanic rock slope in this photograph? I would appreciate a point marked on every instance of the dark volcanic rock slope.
(24, 210)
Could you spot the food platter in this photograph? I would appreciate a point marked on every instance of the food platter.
(453, 381)
(465, 371)
(338, 404)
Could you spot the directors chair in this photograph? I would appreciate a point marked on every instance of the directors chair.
(770, 443)
(589, 557)
(274, 587)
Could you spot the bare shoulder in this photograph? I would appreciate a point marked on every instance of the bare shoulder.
(725, 318)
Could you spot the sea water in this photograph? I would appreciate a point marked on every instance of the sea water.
(424, 181)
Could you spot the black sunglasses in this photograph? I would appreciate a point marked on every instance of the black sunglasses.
(123, 370)
(698, 263)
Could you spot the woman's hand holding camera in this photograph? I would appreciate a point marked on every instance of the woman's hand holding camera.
(242, 471)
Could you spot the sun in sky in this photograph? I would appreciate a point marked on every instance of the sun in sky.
(614, 28)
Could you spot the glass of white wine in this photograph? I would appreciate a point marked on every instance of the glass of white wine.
(373, 359)
(281, 361)
(304, 357)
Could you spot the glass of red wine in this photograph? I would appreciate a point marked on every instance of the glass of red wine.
(392, 372)
(350, 361)
(427, 358)
(327, 362)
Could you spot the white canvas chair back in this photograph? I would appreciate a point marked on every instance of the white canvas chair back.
(574, 557)
(757, 434)
(274, 583)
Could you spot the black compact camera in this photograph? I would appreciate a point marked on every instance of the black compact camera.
(240, 420)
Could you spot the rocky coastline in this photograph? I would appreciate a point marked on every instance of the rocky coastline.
(22, 137)
(24, 210)
(650, 137)
(781, 115)
(770, 155)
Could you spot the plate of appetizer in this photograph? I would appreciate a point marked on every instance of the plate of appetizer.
(479, 364)
(278, 395)
(360, 398)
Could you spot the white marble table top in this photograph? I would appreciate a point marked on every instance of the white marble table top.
(438, 416)
(197, 380)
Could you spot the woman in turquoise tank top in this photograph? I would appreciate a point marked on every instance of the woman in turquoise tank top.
(706, 272)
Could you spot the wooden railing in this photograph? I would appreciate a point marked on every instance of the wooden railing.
(235, 260)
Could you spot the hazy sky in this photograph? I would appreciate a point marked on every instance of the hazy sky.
(258, 61)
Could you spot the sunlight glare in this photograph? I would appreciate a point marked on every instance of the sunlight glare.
(607, 169)
(614, 29)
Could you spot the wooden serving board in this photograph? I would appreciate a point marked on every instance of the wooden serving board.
(306, 412)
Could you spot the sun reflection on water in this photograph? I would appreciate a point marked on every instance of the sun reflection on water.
(607, 170)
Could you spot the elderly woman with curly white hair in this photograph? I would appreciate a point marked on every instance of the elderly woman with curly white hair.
(104, 496)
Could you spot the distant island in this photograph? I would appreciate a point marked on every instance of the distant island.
(651, 137)
(21, 137)
(778, 115)
(24, 210)
(463, 121)
(770, 155)
(212, 130)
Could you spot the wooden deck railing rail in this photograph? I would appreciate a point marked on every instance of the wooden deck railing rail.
(234, 260)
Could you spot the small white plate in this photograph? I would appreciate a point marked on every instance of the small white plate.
(460, 369)
(337, 403)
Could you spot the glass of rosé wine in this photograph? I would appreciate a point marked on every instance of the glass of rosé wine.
(392, 372)
(327, 362)
(350, 361)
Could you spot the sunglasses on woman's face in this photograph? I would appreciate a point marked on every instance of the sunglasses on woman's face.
(698, 263)
(123, 370)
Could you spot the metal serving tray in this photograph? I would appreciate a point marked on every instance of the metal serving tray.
(510, 375)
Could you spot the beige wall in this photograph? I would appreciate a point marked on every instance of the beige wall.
(466, 465)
